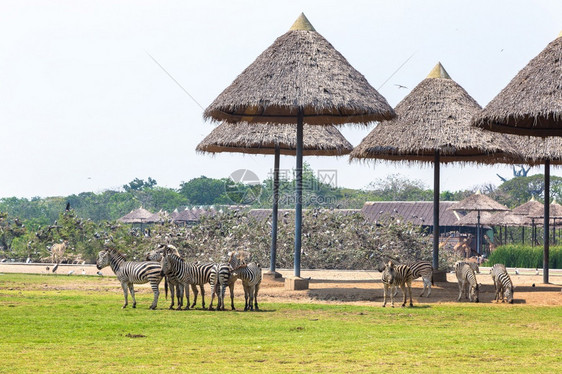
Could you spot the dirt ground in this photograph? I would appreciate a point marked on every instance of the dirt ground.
(337, 286)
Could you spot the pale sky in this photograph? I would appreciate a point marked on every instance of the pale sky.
(84, 108)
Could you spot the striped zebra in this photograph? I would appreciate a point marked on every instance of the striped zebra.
(189, 274)
(467, 282)
(250, 275)
(129, 273)
(176, 287)
(422, 269)
(219, 280)
(473, 265)
(396, 275)
(502, 283)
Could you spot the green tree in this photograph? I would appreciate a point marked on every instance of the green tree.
(205, 191)
(398, 188)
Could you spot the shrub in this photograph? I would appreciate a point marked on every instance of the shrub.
(521, 256)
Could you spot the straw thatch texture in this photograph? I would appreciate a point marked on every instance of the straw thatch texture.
(471, 219)
(262, 138)
(434, 116)
(508, 218)
(531, 104)
(535, 150)
(538, 211)
(140, 215)
(300, 70)
(528, 207)
(478, 202)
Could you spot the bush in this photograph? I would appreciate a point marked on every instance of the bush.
(522, 256)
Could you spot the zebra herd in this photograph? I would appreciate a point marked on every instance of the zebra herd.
(394, 276)
(166, 263)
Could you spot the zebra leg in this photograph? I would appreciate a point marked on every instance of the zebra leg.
(154, 286)
(186, 291)
(426, 285)
(195, 292)
(395, 290)
(124, 286)
(221, 296)
(231, 289)
(385, 291)
(461, 287)
(179, 295)
(172, 293)
(202, 287)
(403, 288)
(410, 292)
(257, 288)
(213, 292)
(132, 290)
(246, 297)
(251, 290)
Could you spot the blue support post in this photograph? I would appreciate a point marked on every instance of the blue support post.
(298, 193)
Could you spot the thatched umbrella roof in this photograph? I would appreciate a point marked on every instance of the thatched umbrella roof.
(535, 150)
(300, 71)
(159, 217)
(435, 116)
(472, 219)
(139, 215)
(538, 211)
(508, 218)
(531, 104)
(525, 209)
(262, 139)
(478, 202)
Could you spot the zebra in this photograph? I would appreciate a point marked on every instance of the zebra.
(219, 280)
(129, 273)
(502, 283)
(189, 274)
(251, 277)
(473, 265)
(422, 269)
(467, 282)
(396, 275)
(176, 287)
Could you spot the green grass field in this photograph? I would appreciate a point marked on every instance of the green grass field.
(60, 324)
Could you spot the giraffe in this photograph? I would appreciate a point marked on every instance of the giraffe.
(463, 246)
(443, 244)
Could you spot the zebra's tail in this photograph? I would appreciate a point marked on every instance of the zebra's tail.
(166, 287)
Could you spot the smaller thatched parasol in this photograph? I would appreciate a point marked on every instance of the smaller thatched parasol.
(139, 215)
(267, 139)
(478, 203)
(531, 104)
(263, 139)
(527, 207)
(471, 219)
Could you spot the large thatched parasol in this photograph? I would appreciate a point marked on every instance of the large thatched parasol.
(479, 203)
(433, 125)
(299, 79)
(267, 139)
(531, 104)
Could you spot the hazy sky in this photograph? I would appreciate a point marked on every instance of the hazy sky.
(84, 108)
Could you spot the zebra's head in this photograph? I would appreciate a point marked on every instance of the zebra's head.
(508, 293)
(103, 259)
(474, 292)
(388, 273)
(165, 262)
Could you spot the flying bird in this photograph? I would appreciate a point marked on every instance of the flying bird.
(400, 86)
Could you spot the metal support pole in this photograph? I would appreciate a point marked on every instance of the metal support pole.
(436, 188)
(478, 234)
(523, 235)
(298, 194)
(546, 220)
(275, 211)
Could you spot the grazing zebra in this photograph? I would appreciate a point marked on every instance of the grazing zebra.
(473, 265)
(422, 269)
(129, 273)
(467, 282)
(251, 277)
(189, 274)
(176, 287)
(502, 282)
(396, 275)
(219, 280)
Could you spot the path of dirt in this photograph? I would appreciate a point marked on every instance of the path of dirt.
(336, 286)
